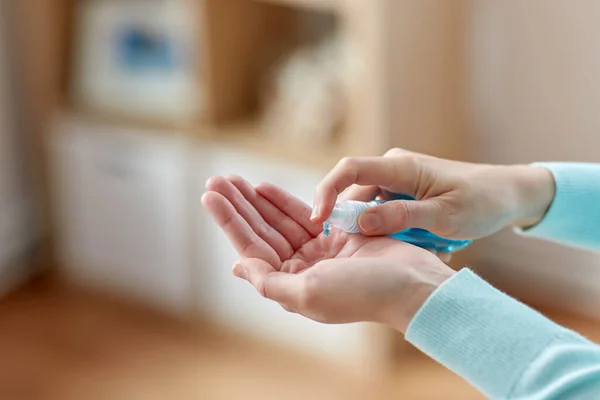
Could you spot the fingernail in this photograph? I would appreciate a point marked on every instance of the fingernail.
(238, 270)
(315, 212)
(369, 222)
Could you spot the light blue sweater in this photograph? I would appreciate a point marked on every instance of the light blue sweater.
(501, 346)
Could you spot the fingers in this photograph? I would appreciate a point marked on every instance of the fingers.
(398, 173)
(368, 193)
(361, 193)
(253, 270)
(281, 287)
(269, 234)
(395, 216)
(294, 266)
(245, 240)
(291, 206)
(291, 230)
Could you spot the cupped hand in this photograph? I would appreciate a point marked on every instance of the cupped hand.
(457, 200)
(337, 279)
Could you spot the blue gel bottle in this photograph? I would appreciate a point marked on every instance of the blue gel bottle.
(345, 217)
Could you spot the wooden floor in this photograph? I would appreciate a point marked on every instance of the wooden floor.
(62, 343)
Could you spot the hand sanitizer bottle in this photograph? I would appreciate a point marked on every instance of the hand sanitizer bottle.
(345, 217)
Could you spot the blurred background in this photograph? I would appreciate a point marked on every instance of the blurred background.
(113, 113)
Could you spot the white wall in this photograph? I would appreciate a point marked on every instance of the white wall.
(535, 95)
(120, 198)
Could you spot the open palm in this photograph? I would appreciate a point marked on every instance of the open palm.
(268, 223)
(336, 279)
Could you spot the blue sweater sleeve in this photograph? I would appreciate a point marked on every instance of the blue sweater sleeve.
(574, 215)
(501, 346)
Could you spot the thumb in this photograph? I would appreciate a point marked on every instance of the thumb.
(395, 216)
(253, 270)
(281, 287)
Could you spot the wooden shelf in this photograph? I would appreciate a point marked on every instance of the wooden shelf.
(247, 136)
(317, 5)
(115, 120)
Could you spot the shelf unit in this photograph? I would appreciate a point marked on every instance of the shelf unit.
(410, 92)
(247, 136)
(323, 5)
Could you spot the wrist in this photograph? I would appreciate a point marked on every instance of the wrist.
(426, 280)
(534, 188)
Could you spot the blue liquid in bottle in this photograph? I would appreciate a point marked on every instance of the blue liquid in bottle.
(345, 217)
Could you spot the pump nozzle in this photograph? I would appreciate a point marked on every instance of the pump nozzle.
(345, 216)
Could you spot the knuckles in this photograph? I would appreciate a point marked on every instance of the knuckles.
(404, 157)
(401, 211)
(347, 164)
(394, 152)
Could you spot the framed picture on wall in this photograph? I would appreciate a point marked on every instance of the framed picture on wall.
(137, 58)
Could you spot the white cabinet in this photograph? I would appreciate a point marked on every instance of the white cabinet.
(127, 213)
(235, 302)
(121, 198)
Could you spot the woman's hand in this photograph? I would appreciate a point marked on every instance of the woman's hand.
(458, 200)
(337, 279)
